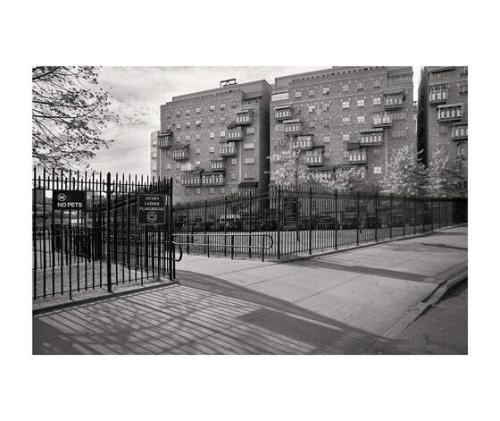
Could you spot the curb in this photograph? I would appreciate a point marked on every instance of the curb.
(430, 301)
(102, 297)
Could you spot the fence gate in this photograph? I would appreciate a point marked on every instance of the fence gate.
(92, 232)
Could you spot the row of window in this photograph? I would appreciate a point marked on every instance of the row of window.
(343, 87)
(198, 110)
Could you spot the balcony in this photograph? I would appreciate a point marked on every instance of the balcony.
(244, 118)
(187, 167)
(235, 133)
(218, 165)
(372, 138)
(304, 142)
(393, 101)
(460, 132)
(227, 149)
(358, 157)
(382, 121)
(438, 95)
(193, 180)
(292, 127)
(314, 157)
(181, 153)
(213, 179)
(165, 140)
(447, 113)
(283, 113)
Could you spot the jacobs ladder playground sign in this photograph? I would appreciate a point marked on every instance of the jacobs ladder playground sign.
(151, 209)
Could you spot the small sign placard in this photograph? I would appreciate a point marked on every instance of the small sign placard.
(151, 209)
(69, 200)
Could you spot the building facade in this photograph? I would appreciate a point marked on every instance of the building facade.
(215, 142)
(344, 117)
(443, 111)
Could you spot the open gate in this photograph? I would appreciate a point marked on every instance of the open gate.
(91, 232)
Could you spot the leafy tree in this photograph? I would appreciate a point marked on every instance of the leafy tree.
(446, 179)
(69, 113)
(406, 175)
(289, 168)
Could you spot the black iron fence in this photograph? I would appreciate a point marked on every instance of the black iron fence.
(287, 221)
(99, 245)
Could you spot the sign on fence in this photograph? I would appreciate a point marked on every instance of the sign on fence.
(290, 210)
(69, 200)
(151, 209)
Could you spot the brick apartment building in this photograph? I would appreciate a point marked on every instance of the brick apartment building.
(344, 117)
(443, 111)
(214, 142)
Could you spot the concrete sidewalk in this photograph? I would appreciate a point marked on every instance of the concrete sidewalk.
(338, 303)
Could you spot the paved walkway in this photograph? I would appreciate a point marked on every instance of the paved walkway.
(338, 303)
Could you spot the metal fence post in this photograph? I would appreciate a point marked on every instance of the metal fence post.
(404, 216)
(310, 220)
(432, 214)
(414, 216)
(278, 223)
(205, 226)
(108, 231)
(376, 218)
(225, 225)
(357, 218)
(390, 227)
(335, 220)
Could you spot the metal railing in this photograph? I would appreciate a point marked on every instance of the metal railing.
(305, 220)
(256, 241)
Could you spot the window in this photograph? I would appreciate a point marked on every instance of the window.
(234, 161)
(346, 137)
(346, 120)
(377, 170)
(326, 139)
(326, 107)
(222, 120)
(211, 121)
(178, 113)
(233, 104)
(178, 126)
(345, 88)
(222, 133)
(326, 123)
(222, 106)
(198, 110)
(222, 190)
(279, 96)
(360, 119)
(198, 136)
(211, 149)
(169, 166)
(197, 150)
(188, 124)
(188, 112)
(198, 190)
(197, 164)
(298, 94)
(234, 189)
(249, 145)
(212, 108)
(346, 105)
(188, 138)
(311, 92)
(360, 86)
(211, 135)
(463, 89)
(198, 123)
(211, 190)
(249, 161)
(326, 91)
(462, 150)
(377, 100)
(360, 102)
(250, 130)
(311, 108)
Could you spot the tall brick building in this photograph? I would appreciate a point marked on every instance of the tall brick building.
(344, 117)
(214, 142)
(443, 111)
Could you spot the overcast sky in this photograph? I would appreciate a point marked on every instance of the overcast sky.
(138, 92)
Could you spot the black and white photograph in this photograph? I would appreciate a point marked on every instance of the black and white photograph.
(313, 212)
(249, 211)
